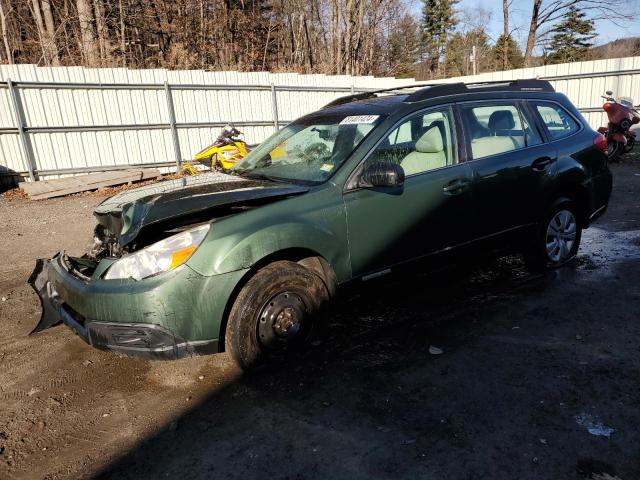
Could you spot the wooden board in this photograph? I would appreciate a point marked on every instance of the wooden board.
(65, 186)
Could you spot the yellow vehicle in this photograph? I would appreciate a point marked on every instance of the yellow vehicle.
(226, 151)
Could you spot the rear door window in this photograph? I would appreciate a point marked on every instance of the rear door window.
(497, 128)
(558, 121)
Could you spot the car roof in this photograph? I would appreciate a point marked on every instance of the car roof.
(390, 100)
(378, 105)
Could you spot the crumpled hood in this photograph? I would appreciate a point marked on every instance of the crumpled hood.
(127, 213)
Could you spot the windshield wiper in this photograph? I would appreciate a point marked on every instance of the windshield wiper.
(263, 176)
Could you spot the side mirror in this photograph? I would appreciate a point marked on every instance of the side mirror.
(609, 92)
(382, 174)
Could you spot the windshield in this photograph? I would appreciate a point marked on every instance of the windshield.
(309, 149)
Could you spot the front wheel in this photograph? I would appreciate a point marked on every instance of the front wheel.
(278, 310)
(558, 239)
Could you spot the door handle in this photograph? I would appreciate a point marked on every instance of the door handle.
(456, 186)
(540, 164)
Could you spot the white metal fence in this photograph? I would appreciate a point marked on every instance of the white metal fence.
(63, 120)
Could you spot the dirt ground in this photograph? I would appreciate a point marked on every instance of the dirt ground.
(539, 376)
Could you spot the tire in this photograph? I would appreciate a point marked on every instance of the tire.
(629, 146)
(277, 311)
(614, 151)
(557, 239)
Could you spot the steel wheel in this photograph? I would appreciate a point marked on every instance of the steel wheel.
(276, 313)
(281, 320)
(561, 236)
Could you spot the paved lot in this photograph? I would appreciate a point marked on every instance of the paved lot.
(539, 379)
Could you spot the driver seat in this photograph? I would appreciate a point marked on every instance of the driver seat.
(428, 155)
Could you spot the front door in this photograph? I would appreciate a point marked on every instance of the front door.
(429, 213)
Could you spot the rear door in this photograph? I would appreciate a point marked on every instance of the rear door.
(511, 164)
(430, 212)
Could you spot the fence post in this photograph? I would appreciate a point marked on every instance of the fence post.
(172, 123)
(18, 112)
(274, 101)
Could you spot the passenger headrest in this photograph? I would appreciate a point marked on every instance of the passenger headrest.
(501, 120)
(430, 141)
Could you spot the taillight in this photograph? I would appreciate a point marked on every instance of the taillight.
(600, 142)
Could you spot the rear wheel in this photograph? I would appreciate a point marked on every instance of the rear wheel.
(631, 142)
(614, 150)
(558, 239)
(277, 311)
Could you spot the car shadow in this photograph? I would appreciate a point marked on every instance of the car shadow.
(372, 400)
(365, 385)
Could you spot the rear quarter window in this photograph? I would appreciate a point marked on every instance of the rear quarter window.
(558, 121)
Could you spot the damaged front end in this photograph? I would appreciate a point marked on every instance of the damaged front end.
(113, 296)
(39, 281)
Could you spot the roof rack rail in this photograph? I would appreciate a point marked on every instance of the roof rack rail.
(433, 90)
(444, 89)
(372, 93)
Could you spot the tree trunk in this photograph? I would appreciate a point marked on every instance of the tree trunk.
(332, 36)
(123, 43)
(348, 36)
(533, 30)
(51, 32)
(339, 60)
(5, 34)
(505, 34)
(88, 37)
(103, 32)
(42, 34)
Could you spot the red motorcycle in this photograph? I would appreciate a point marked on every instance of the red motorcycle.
(622, 114)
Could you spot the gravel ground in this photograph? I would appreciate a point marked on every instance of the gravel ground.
(539, 375)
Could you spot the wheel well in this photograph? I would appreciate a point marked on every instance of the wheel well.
(305, 257)
(580, 197)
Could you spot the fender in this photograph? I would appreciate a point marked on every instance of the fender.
(232, 252)
(619, 137)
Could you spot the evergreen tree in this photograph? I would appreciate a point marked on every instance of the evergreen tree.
(438, 20)
(403, 48)
(515, 59)
(572, 38)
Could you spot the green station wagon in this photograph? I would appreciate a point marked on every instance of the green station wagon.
(371, 183)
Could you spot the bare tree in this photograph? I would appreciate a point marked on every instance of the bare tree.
(88, 36)
(46, 31)
(5, 33)
(546, 13)
(103, 33)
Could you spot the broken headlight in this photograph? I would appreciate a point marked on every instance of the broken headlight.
(160, 257)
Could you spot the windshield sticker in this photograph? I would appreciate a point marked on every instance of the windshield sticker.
(326, 167)
(358, 119)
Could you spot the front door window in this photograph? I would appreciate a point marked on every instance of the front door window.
(422, 143)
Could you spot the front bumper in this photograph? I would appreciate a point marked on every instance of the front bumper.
(168, 316)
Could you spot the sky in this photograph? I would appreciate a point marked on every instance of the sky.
(520, 13)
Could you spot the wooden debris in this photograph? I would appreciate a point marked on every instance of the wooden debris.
(65, 186)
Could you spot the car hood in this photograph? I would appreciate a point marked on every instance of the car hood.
(185, 201)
